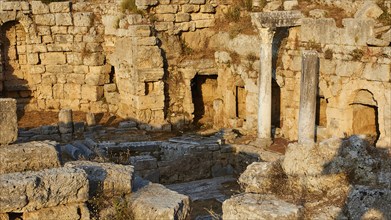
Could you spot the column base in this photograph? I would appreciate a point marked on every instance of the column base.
(262, 142)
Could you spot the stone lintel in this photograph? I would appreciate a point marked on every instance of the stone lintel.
(276, 19)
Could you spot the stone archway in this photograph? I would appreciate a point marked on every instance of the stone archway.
(365, 115)
(13, 76)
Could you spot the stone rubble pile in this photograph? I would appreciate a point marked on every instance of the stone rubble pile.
(35, 185)
(332, 179)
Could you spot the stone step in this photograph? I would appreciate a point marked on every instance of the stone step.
(155, 201)
(259, 206)
(31, 156)
(107, 178)
(29, 191)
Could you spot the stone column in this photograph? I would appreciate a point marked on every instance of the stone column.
(8, 121)
(308, 92)
(265, 85)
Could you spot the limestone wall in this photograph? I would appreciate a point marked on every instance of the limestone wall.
(145, 65)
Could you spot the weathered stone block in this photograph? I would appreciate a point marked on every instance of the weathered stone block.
(146, 162)
(369, 10)
(37, 7)
(369, 203)
(82, 19)
(59, 7)
(166, 204)
(63, 19)
(258, 206)
(111, 179)
(70, 212)
(8, 121)
(377, 72)
(31, 156)
(91, 93)
(190, 8)
(167, 9)
(182, 17)
(53, 58)
(94, 59)
(45, 19)
(72, 91)
(29, 191)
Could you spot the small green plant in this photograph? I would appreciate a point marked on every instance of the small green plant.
(312, 45)
(251, 58)
(357, 54)
(116, 23)
(384, 18)
(328, 54)
(130, 6)
(233, 14)
(186, 50)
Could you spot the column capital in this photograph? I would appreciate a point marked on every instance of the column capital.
(266, 35)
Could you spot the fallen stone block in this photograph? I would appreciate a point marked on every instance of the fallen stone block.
(258, 177)
(29, 191)
(259, 206)
(155, 201)
(70, 211)
(107, 178)
(369, 10)
(31, 156)
(8, 121)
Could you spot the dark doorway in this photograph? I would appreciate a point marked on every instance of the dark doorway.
(203, 90)
(276, 104)
(13, 74)
(321, 106)
(240, 100)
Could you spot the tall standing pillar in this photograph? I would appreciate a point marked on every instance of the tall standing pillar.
(265, 85)
(308, 92)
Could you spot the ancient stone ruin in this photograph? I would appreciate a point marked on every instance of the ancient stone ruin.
(195, 109)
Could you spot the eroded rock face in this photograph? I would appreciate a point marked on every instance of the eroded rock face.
(369, 203)
(257, 206)
(29, 191)
(69, 212)
(336, 178)
(31, 156)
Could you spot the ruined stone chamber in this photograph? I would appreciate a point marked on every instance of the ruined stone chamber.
(203, 89)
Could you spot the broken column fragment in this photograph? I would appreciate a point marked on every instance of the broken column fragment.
(65, 121)
(308, 92)
(8, 121)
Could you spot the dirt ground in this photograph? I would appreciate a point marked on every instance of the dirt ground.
(39, 118)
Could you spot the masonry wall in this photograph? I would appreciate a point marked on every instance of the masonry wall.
(348, 66)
